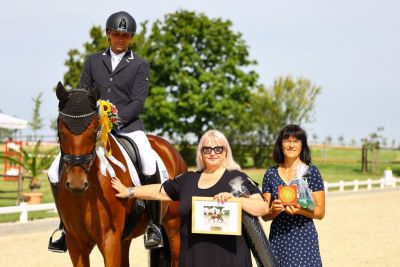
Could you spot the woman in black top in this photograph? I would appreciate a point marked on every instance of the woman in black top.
(215, 169)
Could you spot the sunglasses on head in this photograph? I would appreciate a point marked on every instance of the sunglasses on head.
(216, 149)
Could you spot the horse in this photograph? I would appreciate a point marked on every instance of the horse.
(214, 217)
(91, 212)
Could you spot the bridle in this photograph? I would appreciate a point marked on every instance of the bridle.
(84, 161)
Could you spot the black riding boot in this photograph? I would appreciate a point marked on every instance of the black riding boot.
(153, 236)
(58, 245)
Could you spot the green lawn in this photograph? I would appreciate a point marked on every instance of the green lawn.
(9, 193)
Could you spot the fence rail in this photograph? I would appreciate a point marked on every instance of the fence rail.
(24, 208)
(341, 186)
(356, 184)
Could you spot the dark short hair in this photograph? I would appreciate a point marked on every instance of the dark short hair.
(292, 130)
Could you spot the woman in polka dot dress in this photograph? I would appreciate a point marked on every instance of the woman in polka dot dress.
(293, 237)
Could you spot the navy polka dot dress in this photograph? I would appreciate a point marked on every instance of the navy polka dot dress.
(294, 239)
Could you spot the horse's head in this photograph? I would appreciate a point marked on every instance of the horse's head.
(78, 125)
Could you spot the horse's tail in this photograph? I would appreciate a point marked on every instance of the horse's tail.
(161, 257)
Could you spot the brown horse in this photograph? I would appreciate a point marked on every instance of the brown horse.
(91, 212)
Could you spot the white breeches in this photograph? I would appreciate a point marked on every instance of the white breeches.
(53, 170)
(147, 158)
(146, 152)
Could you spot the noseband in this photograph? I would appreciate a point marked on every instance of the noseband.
(84, 161)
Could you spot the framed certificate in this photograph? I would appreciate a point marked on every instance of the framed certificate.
(212, 217)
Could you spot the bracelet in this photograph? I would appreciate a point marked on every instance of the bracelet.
(131, 193)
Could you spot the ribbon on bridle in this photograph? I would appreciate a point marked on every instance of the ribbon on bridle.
(104, 164)
(107, 112)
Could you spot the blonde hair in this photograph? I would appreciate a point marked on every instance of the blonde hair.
(219, 138)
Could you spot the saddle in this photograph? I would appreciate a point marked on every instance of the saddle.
(133, 152)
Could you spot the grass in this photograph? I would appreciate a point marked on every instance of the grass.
(9, 194)
(334, 163)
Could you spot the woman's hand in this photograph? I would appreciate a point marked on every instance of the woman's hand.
(121, 189)
(223, 197)
(277, 206)
(293, 209)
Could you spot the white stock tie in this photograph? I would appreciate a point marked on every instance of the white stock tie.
(114, 62)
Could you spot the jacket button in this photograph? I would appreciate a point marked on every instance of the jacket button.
(111, 79)
(108, 90)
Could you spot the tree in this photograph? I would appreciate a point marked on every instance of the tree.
(37, 122)
(341, 140)
(199, 75)
(328, 140)
(371, 145)
(288, 101)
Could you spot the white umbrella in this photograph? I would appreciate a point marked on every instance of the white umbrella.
(10, 122)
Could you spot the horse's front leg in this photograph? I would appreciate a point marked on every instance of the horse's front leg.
(111, 249)
(78, 251)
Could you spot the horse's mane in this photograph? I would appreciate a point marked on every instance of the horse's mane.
(77, 109)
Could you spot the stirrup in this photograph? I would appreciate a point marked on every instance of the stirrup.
(59, 245)
(149, 241)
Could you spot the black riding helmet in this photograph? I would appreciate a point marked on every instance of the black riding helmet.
(121, 22)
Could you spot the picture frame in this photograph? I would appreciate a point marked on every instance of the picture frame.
(211, 217)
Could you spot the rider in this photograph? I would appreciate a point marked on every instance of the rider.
(123, 78)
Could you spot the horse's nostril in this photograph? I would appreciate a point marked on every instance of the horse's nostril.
(68, 184)
(85, 185)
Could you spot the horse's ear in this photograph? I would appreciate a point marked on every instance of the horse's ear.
(61, 92)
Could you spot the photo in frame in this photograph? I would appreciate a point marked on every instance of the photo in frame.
(211, 217)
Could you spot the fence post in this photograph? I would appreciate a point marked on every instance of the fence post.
(20, 198)
(326, 188)
(382, 183)
(24, 212)
(341, 186)
(355, 189)
(369, 185)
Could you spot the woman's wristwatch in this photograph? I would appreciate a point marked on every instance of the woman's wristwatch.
(131, 193)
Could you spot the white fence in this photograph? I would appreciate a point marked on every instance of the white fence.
(24, 208)
(356, 184)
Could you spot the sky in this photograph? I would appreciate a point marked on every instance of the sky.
(350, 48)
